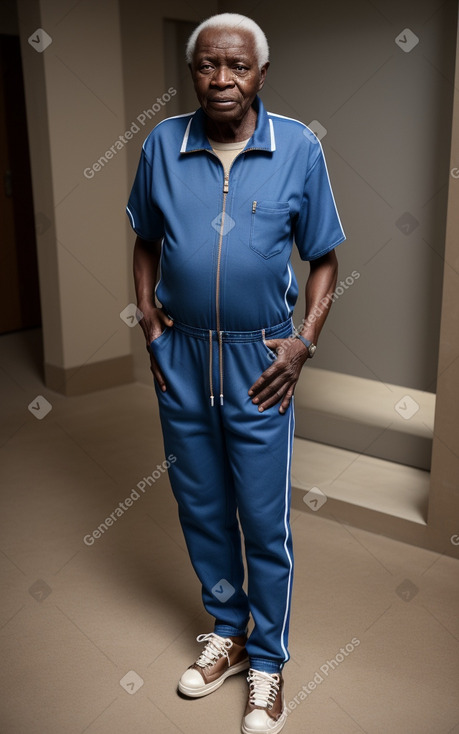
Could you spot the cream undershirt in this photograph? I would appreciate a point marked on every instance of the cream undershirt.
(227, 152)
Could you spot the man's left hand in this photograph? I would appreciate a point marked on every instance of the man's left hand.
(278, 382)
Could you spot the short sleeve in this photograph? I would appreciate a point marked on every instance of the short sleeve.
(146, 219)
(318, 228)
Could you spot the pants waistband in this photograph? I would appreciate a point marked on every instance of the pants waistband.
(270, 332)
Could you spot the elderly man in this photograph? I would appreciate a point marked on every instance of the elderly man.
(218, 199)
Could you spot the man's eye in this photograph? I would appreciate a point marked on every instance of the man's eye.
(239, 67)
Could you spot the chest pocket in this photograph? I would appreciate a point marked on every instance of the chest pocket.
(270, 229)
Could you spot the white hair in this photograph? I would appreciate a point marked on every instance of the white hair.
(232, 21)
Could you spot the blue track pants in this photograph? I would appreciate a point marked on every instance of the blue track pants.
(231, 459)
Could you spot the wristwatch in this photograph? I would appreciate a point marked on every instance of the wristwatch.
(309, 345)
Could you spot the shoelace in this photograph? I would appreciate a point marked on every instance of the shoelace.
(215, 648)
(263, 688)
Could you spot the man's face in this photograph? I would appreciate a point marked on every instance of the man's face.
(225, 73)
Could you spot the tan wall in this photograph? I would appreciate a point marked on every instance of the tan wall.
(443, 519)
(75, 109)
(388, 117)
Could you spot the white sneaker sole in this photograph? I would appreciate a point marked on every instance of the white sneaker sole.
(211, 687)
(275, 728)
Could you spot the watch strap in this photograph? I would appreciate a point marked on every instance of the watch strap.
(306, 342)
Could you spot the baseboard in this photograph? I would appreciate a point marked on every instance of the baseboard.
(89, 377)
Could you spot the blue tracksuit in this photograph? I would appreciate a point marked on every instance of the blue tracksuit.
(227, 282)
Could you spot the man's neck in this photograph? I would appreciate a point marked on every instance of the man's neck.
(232, 132)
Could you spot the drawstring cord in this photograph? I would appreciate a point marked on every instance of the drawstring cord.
(220, 360)
(220, 355)
(210, 370)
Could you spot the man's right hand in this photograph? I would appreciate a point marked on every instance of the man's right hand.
(153, 323)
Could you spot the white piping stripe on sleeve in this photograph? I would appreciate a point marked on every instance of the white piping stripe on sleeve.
(186, 136)
(330, 187)
(131, 217)
(160, 264)
(283, 117)
(288, 288)
(287, 484)
(273, 139)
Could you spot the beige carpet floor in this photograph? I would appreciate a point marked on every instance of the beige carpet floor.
(94, 635)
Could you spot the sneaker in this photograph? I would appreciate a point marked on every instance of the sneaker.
(265, 712)
(221, 657)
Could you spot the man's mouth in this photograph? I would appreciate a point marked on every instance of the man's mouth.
(222, 101)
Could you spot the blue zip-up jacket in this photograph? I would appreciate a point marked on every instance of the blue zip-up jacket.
(226, 242)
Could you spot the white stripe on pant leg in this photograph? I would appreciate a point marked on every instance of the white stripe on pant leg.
(287, 606)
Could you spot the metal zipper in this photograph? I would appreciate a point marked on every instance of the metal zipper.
(219, 257)
(217, 284)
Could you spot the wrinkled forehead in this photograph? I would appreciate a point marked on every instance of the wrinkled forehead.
(225, 42)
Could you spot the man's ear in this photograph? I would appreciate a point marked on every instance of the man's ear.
(263, 72)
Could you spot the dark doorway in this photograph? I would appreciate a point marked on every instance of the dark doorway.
(19, 287)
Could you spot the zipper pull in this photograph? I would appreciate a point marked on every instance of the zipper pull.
(226, 184)
(254, 207)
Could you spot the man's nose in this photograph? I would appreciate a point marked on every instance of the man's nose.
(222, 77)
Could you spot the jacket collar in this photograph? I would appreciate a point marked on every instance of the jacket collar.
(263, 138)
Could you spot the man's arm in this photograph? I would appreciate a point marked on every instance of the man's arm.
(154, 321)
(278, 381)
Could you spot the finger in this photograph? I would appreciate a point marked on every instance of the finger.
(287, 400)
(273, 344)
(278, 346)
(272, 393)
(157, 374)
(158, 328)
(165, 319)
(261, 382)
(272, 380)
(273, 399)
